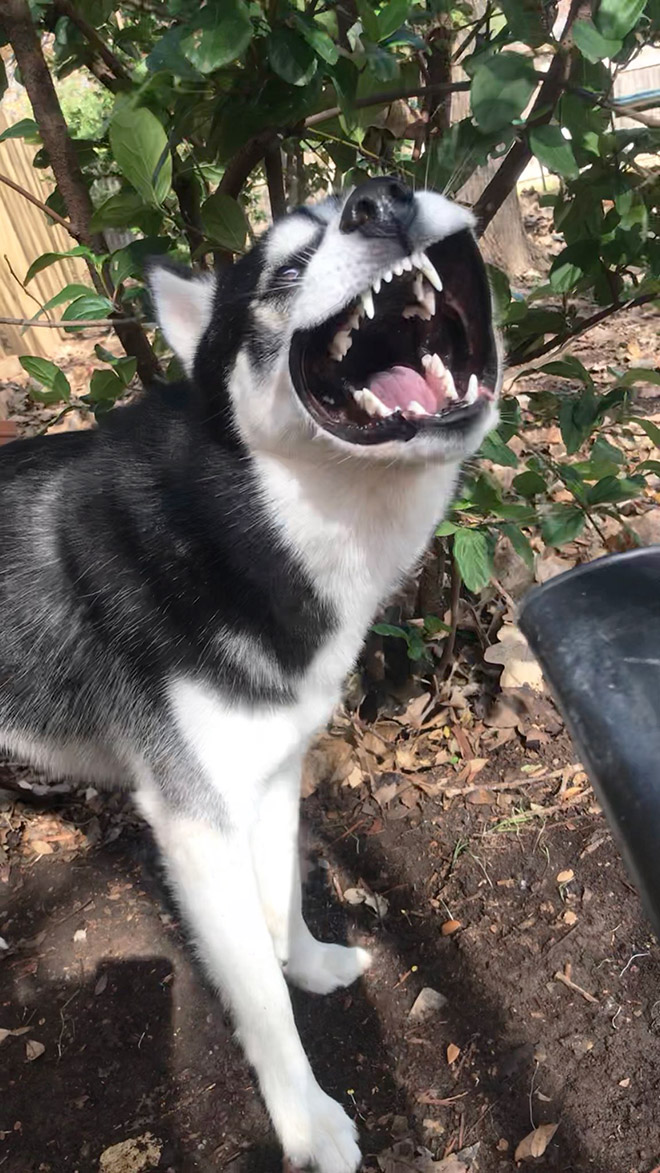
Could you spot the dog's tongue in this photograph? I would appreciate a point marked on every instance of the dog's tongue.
(401, 386)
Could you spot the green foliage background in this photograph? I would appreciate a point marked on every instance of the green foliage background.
(200, 109)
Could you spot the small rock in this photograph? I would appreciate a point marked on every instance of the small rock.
(427, 1002)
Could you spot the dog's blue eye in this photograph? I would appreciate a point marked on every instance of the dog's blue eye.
(288, 273)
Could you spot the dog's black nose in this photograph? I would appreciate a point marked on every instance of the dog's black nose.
(379, 207)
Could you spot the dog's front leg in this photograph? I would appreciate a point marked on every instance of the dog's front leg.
(212, 874)
(308, 963)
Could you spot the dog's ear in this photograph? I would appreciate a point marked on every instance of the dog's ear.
(184, 305)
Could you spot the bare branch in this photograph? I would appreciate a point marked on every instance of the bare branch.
(63, 324)
(386, 97)
(38, 204)
(275, 180)
(97, 43)
(517, 358)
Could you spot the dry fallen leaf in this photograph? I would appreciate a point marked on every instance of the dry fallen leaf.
(566, 876)
(452, 1053)
(33, 1050)
(536, 1142)
(570, 917)
(427, 1002)
(481, 797)
(519, 665)
(101, 984)
(450, 1165)
(132, 1156)
(41, 847)
(449, 927)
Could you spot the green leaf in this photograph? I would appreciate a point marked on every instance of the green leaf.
(123, 210)
(615, 18)
(553, 151)
(638, 375)
(473, 558)
(105, 387)
(322, 44)
(568, 367)
(89, 305)
(47, 259)
(602, 450)
(66, 294)
(520, 543)
(50, 376)
(652, 430)
(389, 629)
(493, 448)
(26, 128)
(650, 465)
(369, 19)
(610, 490)
(167, 55)
(434, 626)
(446, 529)
(591, 43)
(501, 88)
(529, 484)
(123, 366)
(523, 18)
(562, 524)
(391, 17)
(291, 56)
(141, 150)
(224, 221)
(572, 264)
(221, 33)
(500, 290)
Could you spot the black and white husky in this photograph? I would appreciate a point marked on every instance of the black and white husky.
(183, 589)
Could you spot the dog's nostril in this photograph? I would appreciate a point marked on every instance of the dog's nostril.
(365, 210)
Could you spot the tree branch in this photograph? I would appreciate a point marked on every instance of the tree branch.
(64, 162)
(63, 324)
(505, 178)
(97, 43)
(386, 97)
(38, 204)
(517, 358)
(275, 180)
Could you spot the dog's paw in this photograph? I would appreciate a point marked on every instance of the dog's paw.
(320, 968)
(325, 1140)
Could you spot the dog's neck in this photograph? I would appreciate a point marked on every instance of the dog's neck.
(358, 525)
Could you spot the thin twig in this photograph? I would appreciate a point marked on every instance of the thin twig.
(386, 97)
(19, 282)
(570, 985)
(63, 324)
(455, 594)
(38, 204)
(516, 359)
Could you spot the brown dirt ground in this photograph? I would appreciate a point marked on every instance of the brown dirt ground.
(471, 818)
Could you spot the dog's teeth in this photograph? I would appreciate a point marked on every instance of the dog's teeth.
(417, 311)
(428, 301)
(427, 360)
(368, 303)
(387, 275)
(371, 403)
(429, 270)
(376, 285)
(450, 386)
(398, 268)
(341, 343)
(473, 390)
(416, 408)
(407, 264)
(354, 320)
(418, 287)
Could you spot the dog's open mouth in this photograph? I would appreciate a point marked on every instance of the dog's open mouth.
(414, 353)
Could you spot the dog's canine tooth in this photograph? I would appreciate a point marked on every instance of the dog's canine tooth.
(429, 270)
(416, 408)
(428, 301)
(371, 403)
(472, 393)
(368, 303)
